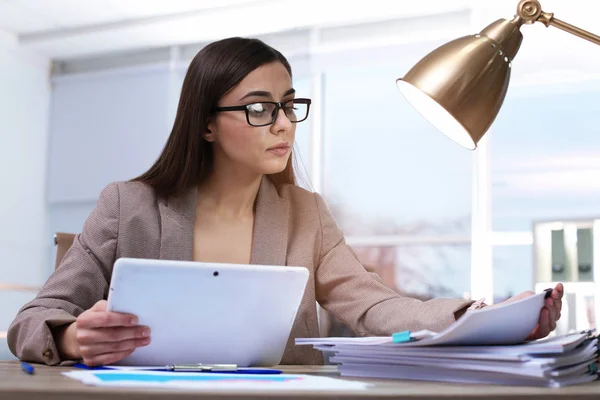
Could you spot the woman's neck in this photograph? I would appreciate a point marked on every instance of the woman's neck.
(228, 194)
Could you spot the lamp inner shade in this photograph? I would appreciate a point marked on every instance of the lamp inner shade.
(436, 114)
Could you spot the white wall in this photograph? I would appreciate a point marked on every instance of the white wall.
(105, 126)
(24, 108)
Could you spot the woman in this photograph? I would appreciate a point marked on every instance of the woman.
(225, 176)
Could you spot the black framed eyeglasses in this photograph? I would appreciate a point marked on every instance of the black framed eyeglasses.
(265, 113)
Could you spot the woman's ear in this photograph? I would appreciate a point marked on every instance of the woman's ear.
(209, 135)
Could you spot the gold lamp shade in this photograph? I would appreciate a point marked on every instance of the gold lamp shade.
(460, 86)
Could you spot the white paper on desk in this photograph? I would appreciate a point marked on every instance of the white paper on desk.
(510, 368)
(424, 355)
(460, 376)
(221, 381)
(452, 359)
(468, 353)
(558, 345)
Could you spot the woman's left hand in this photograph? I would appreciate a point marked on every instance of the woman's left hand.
(550, 312)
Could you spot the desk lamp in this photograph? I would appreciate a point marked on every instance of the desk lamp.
(460, 86)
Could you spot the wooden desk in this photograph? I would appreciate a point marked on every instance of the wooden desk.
(48, 384)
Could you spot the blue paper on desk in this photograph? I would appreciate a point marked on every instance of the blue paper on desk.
(223, 381)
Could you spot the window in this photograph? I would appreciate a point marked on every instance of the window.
(513, 270)
(545, 153)
(387, 171)
(423, 271)
(545, 165)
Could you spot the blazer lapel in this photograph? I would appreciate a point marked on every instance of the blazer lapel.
(270, 235)
(177, 226)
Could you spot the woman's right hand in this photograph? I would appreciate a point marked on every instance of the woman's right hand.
(100, 337)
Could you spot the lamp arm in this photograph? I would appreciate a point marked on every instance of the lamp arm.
(530, 11)
(549, 20)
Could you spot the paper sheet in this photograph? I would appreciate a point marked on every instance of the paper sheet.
(504, 324)
(552, 345)
(202, 381)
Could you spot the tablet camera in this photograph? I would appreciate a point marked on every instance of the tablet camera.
(216, 273)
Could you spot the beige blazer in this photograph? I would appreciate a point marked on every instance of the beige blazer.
(292, 227)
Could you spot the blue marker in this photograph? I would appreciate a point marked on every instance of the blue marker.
(28, 368)
(195, 368)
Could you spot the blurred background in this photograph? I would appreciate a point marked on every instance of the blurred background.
(89, 90)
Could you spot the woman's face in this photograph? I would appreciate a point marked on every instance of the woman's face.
(264, 149)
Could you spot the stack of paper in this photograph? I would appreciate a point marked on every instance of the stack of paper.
(484, 346)
(554, 362)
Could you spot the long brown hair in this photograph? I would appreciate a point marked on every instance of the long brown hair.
(187, 158)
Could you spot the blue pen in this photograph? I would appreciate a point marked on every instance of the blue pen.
(83, 366)
(256, 371)
(28, 368)
(194, 368)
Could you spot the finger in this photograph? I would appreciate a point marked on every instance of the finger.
(558, 291)
(103, 319)
(99, 306)
(544, 324)
(106, 359)
(552, 313)
(553, 317)
(116, 334)
(552, 325)
(534, 335)
(558, 305)
(117, 347)
(540, 330)
(93, 350)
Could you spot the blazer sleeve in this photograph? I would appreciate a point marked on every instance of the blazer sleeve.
(81, 280)
(361, 300)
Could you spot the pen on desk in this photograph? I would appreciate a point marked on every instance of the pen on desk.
(222, 368)
(254, 371)
(207, 368)
(202, 367)
(28, 368)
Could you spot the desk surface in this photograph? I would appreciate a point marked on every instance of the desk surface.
(49, 384)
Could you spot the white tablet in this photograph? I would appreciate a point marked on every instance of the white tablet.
(208, 313)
